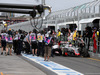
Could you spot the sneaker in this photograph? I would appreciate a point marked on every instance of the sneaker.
(1, 53)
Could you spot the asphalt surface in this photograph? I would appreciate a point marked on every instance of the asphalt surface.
(14, 65)
(45, 70)
(87, 66)
(19, 65)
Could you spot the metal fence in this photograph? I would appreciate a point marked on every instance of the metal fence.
(91, 43)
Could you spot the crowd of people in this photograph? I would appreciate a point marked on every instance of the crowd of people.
(35, 42)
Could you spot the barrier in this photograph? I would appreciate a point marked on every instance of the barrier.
(98, 45)
(91, 45)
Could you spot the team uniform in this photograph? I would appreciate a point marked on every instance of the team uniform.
(27, 45)
(48, 45)
(16, 38)
(9, 40)
(3, 39)
(20, 43)
(33, 41)
(40, 44)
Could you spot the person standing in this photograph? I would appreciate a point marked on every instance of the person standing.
(27, 42)
(3, 41)
(40, 43)
(9, 40)
(74, 37)
(58, 34)
(33, 40)
(16, 37)
(20, 42)
(70, 36)
(10, 32)
(48, 45)
(87, 35)
(94, 41)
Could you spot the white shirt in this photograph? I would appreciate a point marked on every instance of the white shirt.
(9, 38)
(17, 36)
(3, 36)
(27, 37)
(40, 37)
(33, 37)
(70, 37)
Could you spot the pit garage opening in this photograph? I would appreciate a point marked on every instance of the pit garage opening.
(51, 27)
(72, 27)
(91, 22)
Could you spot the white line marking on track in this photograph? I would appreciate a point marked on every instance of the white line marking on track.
(55, 67)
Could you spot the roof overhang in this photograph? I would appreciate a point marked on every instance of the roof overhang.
(66, 23)
(89, 20)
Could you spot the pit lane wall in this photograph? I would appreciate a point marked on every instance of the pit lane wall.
(26, 26)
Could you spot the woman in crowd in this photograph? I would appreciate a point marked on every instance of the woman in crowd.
(9, 40)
